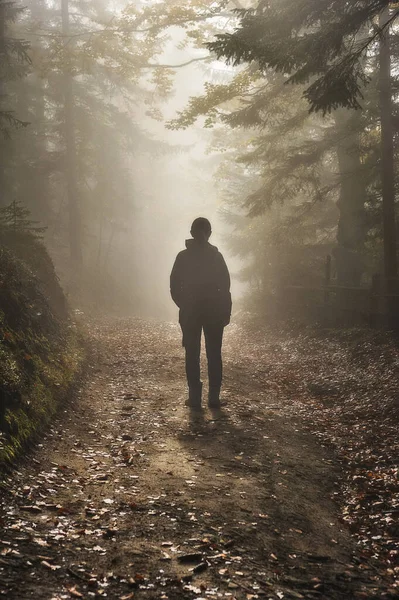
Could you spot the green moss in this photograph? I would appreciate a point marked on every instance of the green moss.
(40, 353)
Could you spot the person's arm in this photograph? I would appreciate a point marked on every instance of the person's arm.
(176, 282)
(225, 276)
(225, 289)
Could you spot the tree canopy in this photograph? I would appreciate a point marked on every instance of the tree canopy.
(320, 44)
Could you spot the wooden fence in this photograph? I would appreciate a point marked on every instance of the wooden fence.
(339, 304)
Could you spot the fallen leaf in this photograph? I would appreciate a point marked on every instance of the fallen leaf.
(74, 592)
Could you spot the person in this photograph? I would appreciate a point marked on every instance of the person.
(200, 286)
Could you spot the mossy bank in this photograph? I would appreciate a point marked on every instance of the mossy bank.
(40, 350)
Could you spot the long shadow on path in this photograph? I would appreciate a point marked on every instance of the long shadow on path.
(269, 487)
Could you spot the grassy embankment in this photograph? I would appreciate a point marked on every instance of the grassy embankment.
(40, 353)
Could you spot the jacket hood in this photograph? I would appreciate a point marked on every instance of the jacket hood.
(192, 244)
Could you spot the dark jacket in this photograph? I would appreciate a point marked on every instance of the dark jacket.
(200, 284)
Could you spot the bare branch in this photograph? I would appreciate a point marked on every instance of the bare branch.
(189, 62)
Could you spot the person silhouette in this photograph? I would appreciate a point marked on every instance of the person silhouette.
(200, 287)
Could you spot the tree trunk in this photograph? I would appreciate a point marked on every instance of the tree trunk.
(40, 192)
(75, 226)
(3, 200)
(103, 191)
(388, 169)
(351, 235)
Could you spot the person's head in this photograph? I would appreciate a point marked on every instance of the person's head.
(201, 229)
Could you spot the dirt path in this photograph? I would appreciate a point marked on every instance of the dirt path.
(131, 497)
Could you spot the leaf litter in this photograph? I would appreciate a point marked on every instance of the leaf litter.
(128, 497)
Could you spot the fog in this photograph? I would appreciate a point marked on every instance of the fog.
(291, 183)
(176, 188)
(173, 187)
(180, 462)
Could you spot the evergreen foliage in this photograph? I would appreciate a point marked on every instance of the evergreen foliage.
(319, 44)
(290, 157)
(14, 65)
(16, 218)
(110, 60)
(280, 169)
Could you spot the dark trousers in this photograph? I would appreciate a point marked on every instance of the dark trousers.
(213, 333)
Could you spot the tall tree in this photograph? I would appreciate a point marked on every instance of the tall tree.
(322, 46)
(319, 42)
(75, 224)
(352, 225)
(387, 159)
(14, 63)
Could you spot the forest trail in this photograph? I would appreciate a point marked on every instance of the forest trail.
(129, 496)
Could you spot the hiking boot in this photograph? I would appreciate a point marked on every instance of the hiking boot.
(214, 397)
(194, 397)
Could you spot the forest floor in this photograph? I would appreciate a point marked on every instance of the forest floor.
(281, 494)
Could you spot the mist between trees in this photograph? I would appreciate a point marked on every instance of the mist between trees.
(122, 121)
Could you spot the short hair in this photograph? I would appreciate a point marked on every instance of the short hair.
(201, 228)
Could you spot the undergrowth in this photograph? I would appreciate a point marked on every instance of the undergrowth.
(40, 352)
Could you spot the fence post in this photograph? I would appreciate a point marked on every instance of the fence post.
(375, 289)
(327, 278)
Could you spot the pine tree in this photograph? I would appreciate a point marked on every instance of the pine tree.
(322, 42)
(326, 46)
(14, 61)
(16, 218)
